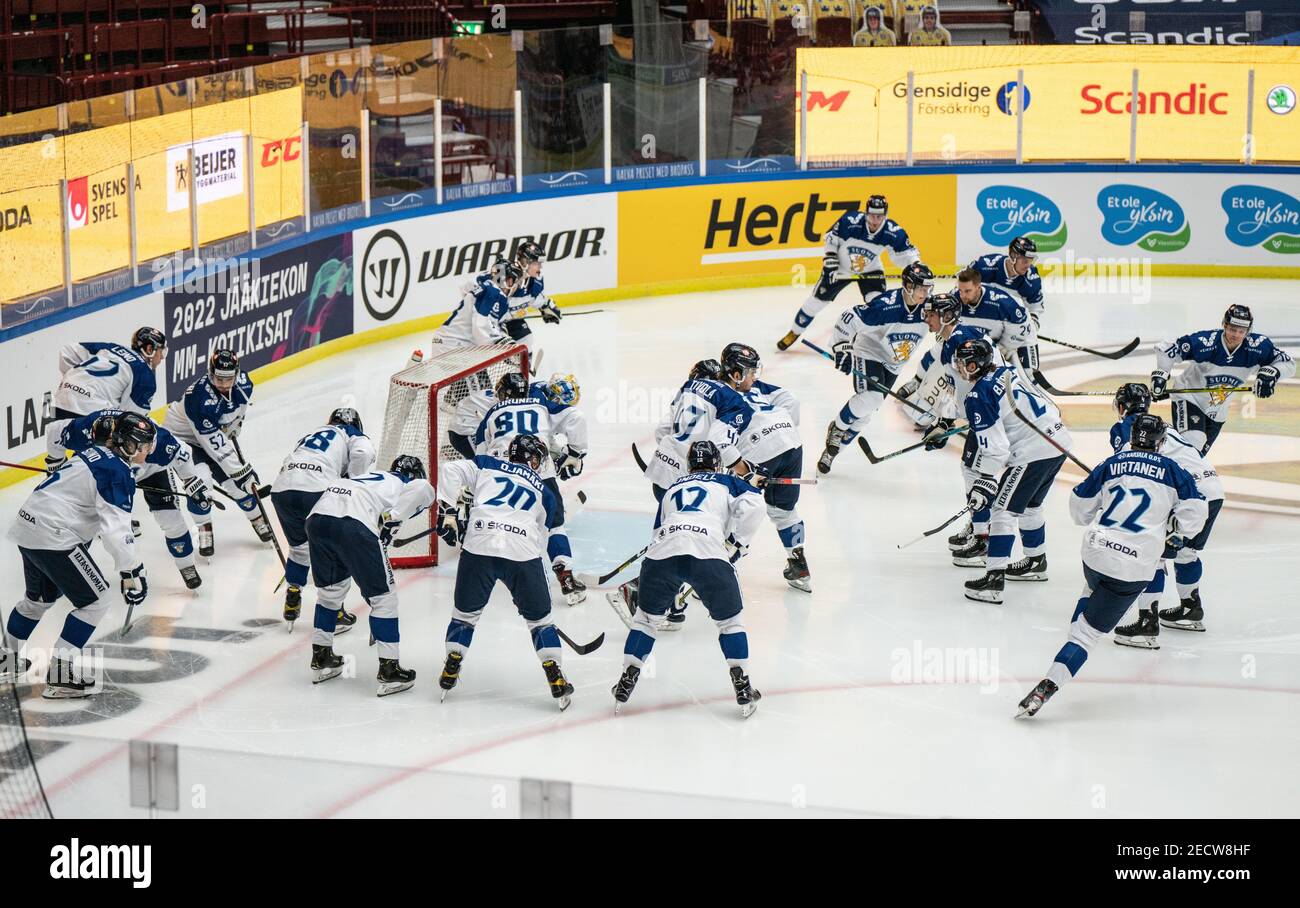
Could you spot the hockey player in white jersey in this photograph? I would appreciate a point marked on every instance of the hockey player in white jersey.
(208, 417)
(871, 342)
(170, 455)
(1131, 401)
(529, 293)
(466, 418)
(1004, 320)
(771, 448)
(548, 410)
(89, 495)
(103, 376)
(704, 525)
(855, 250)
(511, 514)
(340, 449)
(1126, 503)
(484, 305)
(1226, 358)
(348, 531)
(1015, 463)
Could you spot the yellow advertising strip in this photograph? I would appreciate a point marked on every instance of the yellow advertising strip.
(221, 169)
(31, 232)
(1192, 103)
(774, 228)
(278, 155)
(167, 228)
(99, 222)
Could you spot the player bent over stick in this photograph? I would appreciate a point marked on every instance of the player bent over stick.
(511, 513)
(1125, 502)
(348, 532)
(704, 526)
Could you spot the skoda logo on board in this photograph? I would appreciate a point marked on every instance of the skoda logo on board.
(385, 275)
(1281, 99)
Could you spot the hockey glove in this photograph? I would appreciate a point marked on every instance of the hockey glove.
(550, 313)
(1266, 381)
(1159, 385)
(237, 425)
(1174, 541)
(982, 492)
(134, 585)
(1036, 320)
(844, 358)
(569, 463)
(736, 549)
(830, 264)
(936, 437)
(1029, 357)
(388, 528)
(449, 527)
(245, 479)
(197, 490)
(910, 388)
(755, 478)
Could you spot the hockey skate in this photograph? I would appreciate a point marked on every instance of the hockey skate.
(787, 342)
(190, 575)
(834, 439)
(1144, 633)
(64, 682)
(344, 622)
(393, 679)
(796, 570)
(623, 602)
(986, 589)
(1036, 699)
(573, 589)
(12, 666)
(962, 537)
(207, 548)
(623, 688)
(974, 555)
(262, 528)
(1034, 568)
(746, 696)
(292, 604)
(450, 673)
(1186, 616)
(561, 689)
(325, 663)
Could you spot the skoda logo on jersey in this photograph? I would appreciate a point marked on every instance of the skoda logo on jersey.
(385, 275)
(1011, 211)
(1008, 98)
(1280, 99)
(1262, 216)
(1138, 214)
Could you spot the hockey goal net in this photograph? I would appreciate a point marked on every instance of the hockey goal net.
(422, 400)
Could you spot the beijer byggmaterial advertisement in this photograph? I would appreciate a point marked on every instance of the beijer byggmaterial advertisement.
(417, 267)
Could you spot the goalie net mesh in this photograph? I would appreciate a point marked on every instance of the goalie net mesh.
(422, 400)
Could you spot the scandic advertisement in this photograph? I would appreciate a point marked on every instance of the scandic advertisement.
(769, 227)
(1193, 104)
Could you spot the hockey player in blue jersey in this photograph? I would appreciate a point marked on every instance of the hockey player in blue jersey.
(1015, 274)
(1131, 401)
(548, 410)
(1014, 462)
(103, 376)
(512, 512)
(1126, 503)
(705, 524)
(169, 455)
(1004, 321)
(208, 417)
(1224, 358)
(855, 249)
(348, 531)
(479, 317)
(871, 342)
(89, 495)
(340, 449)
(529, 293)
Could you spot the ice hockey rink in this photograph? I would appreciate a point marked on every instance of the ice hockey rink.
(885, 692)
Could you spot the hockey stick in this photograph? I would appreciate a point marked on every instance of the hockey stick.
(636, 455)
(581, 648)
(790, 481)
(261, 508)
(23, 466)
(1208, 390)
(567, 314)
(1047, 386)
(1118, 354)
(937, 529)
(605, 578)
(866, 449)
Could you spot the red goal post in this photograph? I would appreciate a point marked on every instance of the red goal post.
(422, 400)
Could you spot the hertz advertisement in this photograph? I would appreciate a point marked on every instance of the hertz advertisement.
(1192, 104)
(769, 227)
